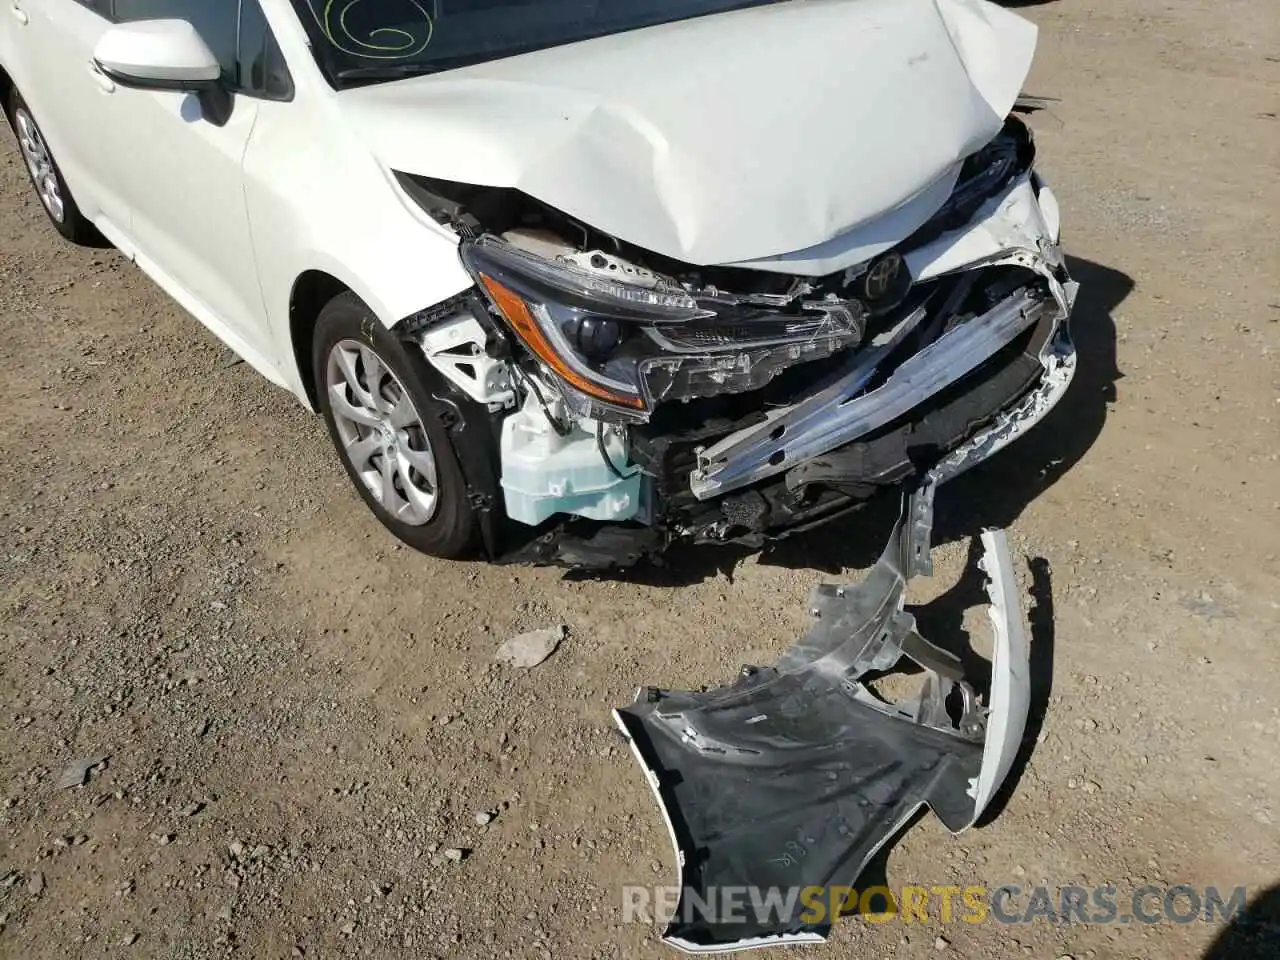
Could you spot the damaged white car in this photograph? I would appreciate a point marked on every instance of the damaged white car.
(570, 283)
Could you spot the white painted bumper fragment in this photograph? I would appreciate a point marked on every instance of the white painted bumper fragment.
(1010, 697)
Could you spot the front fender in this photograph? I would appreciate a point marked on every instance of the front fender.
(338, 211)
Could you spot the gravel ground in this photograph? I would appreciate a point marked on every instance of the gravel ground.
(296, 723)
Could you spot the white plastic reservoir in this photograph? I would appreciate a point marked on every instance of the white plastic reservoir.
(544, 473)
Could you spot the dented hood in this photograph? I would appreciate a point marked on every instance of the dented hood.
(821, 131)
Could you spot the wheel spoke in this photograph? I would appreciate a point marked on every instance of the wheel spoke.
(420, 460)
(53, 198)
(347, 363)
(389, 495)
(374, 373)
(361, 450)
(402, 415)
(344, 408)
(421, 501)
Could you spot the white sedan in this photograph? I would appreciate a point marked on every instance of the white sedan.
(570, 282)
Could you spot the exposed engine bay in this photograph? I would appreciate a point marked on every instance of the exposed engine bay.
(633, 400)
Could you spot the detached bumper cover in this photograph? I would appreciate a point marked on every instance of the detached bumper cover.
(795, 775)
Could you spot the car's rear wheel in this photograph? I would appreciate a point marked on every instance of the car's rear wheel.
(389, 431)
(50, 187)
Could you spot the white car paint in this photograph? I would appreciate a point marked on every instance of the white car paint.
(795, 141)
(47, 48)
(737, 137)
(1017, 221)
(161, 50)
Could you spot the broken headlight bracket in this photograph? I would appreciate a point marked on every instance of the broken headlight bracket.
(797, 774)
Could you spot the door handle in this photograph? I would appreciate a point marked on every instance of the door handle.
(106, 83)
(19, 14)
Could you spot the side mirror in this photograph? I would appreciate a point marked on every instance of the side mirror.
(157, 55)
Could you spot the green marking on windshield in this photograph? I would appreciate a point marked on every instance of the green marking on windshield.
(380, 43)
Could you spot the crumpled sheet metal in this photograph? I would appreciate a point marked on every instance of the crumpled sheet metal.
(795, 775)
(793, 155)
(832, 417)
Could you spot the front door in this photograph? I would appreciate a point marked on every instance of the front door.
(180, 171)
(53, 43)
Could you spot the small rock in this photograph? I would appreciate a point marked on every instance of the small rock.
(191, 809)
(165, 839)
(348, 928)
(484, 818)
(236, 849)
(941, 943)
(77, 772)
(1092, 786)
(455, 854)
(35, 884)
(527, 650)
(1205, 606)
(131, 939)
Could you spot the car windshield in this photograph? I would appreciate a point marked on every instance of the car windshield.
(364, 41)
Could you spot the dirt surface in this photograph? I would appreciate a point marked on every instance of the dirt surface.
(299, 717)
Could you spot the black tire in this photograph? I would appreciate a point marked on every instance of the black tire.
(72, 224)
(452, 530)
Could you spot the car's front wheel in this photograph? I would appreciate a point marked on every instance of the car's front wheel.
(389, 431)
(50, 187)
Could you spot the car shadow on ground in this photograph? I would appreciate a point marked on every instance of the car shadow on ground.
(1253, 935)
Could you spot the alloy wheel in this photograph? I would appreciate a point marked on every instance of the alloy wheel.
(40, 162)
(382, 434)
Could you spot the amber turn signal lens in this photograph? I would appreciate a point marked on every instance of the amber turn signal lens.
(517, 313)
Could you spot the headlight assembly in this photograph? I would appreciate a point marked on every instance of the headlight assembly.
(617, 349)
(575, 322)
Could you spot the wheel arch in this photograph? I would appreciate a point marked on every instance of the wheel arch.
(312, 289)
(6, 88)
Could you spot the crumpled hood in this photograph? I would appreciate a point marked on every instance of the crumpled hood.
(727, 138)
